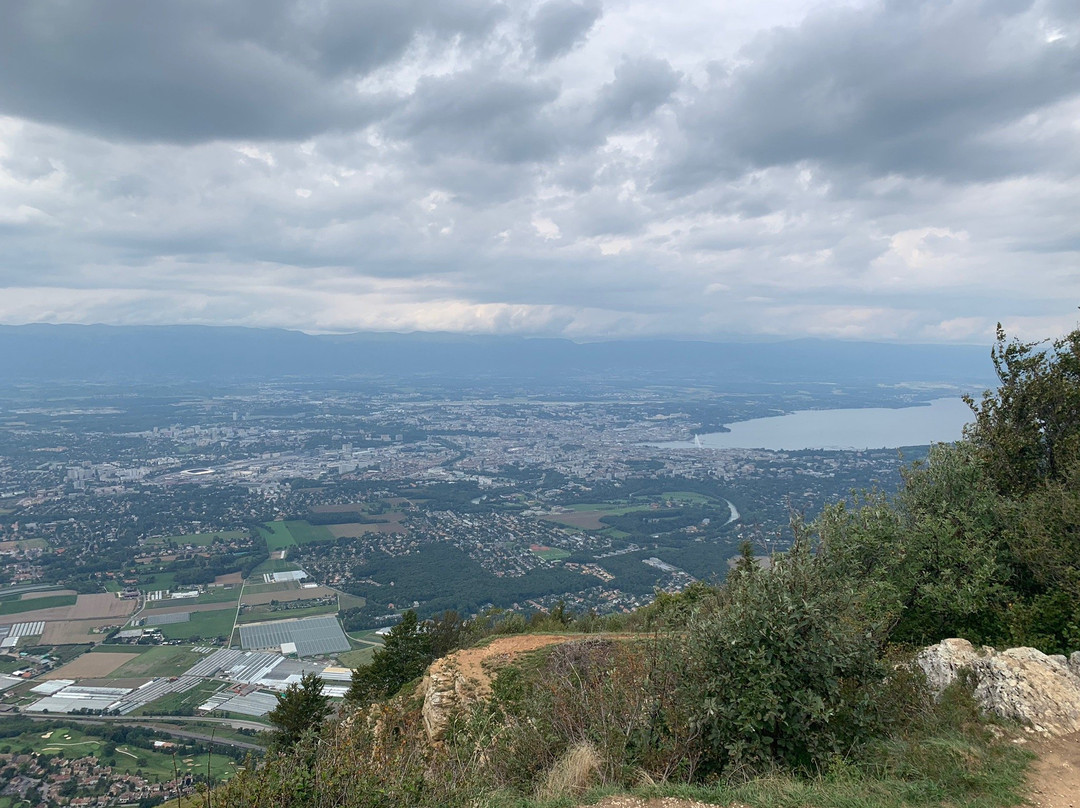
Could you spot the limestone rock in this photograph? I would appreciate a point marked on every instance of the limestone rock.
(446, 693)
(1021, 684)
(942, 662)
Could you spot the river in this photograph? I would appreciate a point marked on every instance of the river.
(940, 421)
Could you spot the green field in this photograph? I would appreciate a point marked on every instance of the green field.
(216, 595)
(208, 625)
(260, 613)
(199, 539)
(552, 554)
(181, 703)
(347, 601)
(280, 535)
(304, 533)
(354, 659)
(161, 660)
(153, 581)
(277, 536)
(28, 544)
(47, 602)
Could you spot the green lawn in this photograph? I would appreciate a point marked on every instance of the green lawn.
(347, 601)
(200, 539)
(277, 535)
(153, 581)
(304, 533)
(260, 613)
(353, 659)
(161, 660)
(47, 602)
(207, 625)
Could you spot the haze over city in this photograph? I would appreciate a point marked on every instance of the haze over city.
(895, 171)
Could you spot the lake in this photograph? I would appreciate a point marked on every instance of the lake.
(940, 421)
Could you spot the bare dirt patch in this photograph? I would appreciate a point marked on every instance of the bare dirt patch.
(90, 666)
(1055, 777)
(259, 598)
(87, 607)
(103, 604)
(472, 664)
(75, 632)
(231, 578)
(47, 594)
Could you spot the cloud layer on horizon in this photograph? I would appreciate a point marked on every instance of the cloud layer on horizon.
(893, 170)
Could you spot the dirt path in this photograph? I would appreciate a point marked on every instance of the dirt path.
(1055, 776)
(470, 663)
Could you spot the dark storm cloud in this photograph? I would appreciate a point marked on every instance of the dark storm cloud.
(191, 70)
(559, 26)
(912, 88)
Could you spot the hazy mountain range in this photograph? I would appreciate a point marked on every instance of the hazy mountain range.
(42, 352)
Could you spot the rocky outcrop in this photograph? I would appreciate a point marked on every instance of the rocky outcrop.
(447, 692)
(1021, 684)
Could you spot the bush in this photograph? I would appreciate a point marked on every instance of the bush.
(783, 671)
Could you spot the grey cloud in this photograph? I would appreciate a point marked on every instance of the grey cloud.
(913, 88)
(640, 86)
(499, 119)
(560, 26)
(201, 70)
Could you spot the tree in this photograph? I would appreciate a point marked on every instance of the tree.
(405, 654)
(300, 709)
(1028, 430)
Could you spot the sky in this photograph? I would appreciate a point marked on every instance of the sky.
(593, 169)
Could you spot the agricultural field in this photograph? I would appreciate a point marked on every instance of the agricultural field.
(280, 535)
(293, 592)
(206, 625)
(91, 666)
(182, 703)
(160, 660)
(29, 604)
(257, 614)
(199, 539)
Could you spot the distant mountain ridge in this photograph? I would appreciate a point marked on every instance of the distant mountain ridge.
(41, 352)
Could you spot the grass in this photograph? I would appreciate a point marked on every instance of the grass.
(200, 539)
(277, 535)
(181, 703)
(347, 601)
(151, 582)
(218, 623)
(161, 660)
(304, 533)
(48, 602)
(354, 659)
(256, 614)
(552, 554)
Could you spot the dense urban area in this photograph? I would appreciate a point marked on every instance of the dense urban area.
(172, 558)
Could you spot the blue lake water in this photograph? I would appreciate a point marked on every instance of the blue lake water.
(940, 421)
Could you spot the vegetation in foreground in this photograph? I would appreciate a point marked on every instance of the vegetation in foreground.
(790, 685)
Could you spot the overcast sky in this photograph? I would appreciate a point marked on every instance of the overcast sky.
(896, 170)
